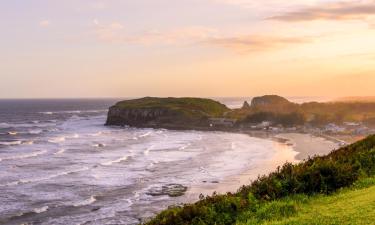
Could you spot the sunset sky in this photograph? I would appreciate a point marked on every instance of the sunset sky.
(131, 48)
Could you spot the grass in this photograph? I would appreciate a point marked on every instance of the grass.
(188, 105)
(355, 205)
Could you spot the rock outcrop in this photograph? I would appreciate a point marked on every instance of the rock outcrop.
(246, 106)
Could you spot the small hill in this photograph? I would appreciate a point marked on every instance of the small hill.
(165, 112)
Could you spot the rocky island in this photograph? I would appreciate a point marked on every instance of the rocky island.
(171, 113)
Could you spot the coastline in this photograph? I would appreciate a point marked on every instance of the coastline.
(290, 147)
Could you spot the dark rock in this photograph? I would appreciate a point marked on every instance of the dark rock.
(172, 190)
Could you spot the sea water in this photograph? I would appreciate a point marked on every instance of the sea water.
(59, 164)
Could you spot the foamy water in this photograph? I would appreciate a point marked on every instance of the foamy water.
(77, 171)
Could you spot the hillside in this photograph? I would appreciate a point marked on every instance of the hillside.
(165, 112)
(356, 99)
(349, 206)
(279, 110)
(294, 194)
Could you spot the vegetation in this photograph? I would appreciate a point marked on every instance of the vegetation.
(187, 105)
(284, 195)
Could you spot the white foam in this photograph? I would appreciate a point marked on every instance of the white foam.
(25, 125)
(47, 113)
(145, 135)
(10, 143)
(75, 136)
(24, 156)
(61, 151)
(36, 131)
(96, 134)
(42, 209)
(89, 201)
(147, 151)
(114, 161)
(25, 181)
(27, 142)
(57, 140)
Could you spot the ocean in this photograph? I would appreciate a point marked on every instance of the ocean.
(59, 164)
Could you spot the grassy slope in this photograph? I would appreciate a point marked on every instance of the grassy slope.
(349, 206)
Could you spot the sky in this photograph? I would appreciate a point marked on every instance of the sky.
(135, 48)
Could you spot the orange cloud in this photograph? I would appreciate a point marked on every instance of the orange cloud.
(246, 44)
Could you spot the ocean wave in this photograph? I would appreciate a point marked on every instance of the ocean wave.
(85, 202)
(115, 161)
(24, 156)
(61, 151)
(145, 135)
(27, 142)
(41, 209)
(73, 111)
(36, 131)
(147, 151)
(10, 143)
(26, 125)
(96, 134)
(75, 136)
(16, 142)
(57, 140)
(26, 181)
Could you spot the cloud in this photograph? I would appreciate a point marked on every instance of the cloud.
(247, 44)
(357, 10)
(115, 33)
(244, 44)
(44, 23)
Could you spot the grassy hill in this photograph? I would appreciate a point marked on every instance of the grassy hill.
(320, 190)
(174, 113)
(354, 205)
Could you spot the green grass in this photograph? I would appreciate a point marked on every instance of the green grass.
(187, 105)
(354, 205)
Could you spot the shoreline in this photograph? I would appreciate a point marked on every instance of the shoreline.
(290, 147)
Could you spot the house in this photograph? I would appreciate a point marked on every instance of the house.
(333, 128)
